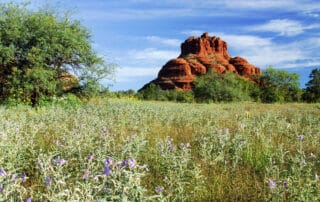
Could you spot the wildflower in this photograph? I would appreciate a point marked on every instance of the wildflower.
(316, 177)
(159, 189)
(170, 145)
(131, 162)
(24, 177)
(48, 181)
(285, 184)
(108, 162)
(107, 171)
(14, 177)
(272, 184)
(86, 174)
(28, 199)
(312, 155)
(1, 188)
(91, 157)
(2, 172)
(300, 137)
(58, 161)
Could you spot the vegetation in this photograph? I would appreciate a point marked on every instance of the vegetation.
(154, 92)
(312, 93)
(38, 49)
(222, 87)
(270, 87)
(278, 86)
(120, 150)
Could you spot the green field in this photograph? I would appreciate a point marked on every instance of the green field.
(127, 150)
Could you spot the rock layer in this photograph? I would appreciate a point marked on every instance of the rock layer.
(198, 56)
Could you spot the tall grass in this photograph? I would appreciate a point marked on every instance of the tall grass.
(121, 150)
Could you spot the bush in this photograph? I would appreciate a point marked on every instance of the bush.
(38, 49)
(222, 88)
(154, 92)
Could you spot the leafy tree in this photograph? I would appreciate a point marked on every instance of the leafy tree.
(222, 87)
(278, 86)
(37, 48)
(312, 92)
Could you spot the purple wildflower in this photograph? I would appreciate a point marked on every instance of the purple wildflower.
(170, 146)
(48, 181)
(131, 162)
(107, 171)
(91, 157)
(272, 184)
(300, 137)
(124, 163)
(285, 184)
(58, 161)
(24, 177)
(28, 200)
(2, 172)
(108, 162)
(159, 189)
(1, 188)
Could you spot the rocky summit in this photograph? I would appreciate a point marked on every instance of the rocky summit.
(198, 56)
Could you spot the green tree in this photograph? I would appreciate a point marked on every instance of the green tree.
(278, 86)
(37, 48)
(312, 92)
(222, 87)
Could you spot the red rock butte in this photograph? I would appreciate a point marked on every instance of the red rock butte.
(198, 56)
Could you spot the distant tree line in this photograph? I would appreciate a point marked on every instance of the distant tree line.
(272, 86)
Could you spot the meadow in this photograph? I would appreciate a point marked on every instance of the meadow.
(128, 150)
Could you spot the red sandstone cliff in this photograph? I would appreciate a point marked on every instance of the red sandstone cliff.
(198, 56)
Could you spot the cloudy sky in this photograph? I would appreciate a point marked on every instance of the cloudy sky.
(140, 36)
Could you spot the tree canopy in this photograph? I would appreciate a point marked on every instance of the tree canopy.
(222, 87)
(37, 50)
(312, 93)
(278, 86)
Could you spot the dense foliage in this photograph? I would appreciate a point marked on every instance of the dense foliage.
(278, 86)
(154, 92)
(222, 87)
(121, 150)
(37, 50)
(312, 92)
(272, 86)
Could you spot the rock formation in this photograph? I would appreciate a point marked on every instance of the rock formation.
(198, 56)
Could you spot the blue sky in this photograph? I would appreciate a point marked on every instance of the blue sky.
(140, 36)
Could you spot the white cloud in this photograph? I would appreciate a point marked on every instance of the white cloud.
(152, 54)
(131, 73)
(165, 41)
(260, 51)
(284, 27)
